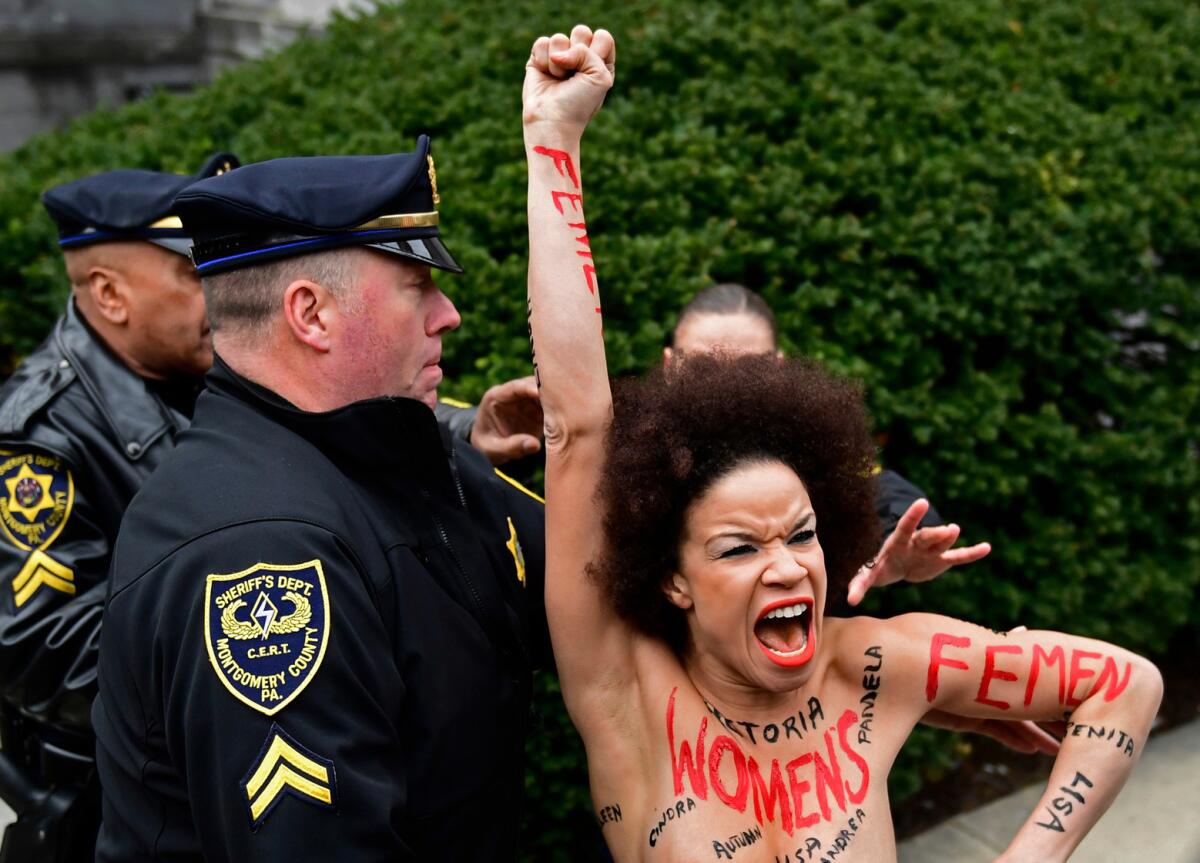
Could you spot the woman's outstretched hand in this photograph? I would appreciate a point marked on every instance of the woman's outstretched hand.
(567, 78)
(915, 554)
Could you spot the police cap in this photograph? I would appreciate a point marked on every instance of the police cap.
(288, 207)
(127, 204)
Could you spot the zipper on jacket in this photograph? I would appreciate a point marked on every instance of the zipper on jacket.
(462, 571)
(462, 498)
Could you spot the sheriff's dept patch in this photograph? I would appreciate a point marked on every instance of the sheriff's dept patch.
(36, 494)
(266, 629)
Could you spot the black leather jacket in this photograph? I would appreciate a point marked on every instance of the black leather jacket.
(79, 434)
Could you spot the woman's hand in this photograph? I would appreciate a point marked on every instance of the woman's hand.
(566, 79)
(914, 554)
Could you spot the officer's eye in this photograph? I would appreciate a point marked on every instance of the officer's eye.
(802, 536)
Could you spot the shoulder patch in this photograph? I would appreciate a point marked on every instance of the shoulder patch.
(285, 768)
(266, 629)
(37, 492)
(508, 479)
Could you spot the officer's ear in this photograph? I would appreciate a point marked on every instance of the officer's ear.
(108, 291)
(309, 308)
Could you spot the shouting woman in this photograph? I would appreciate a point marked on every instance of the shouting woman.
(697, 528)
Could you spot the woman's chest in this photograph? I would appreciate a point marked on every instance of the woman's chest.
(792, 786)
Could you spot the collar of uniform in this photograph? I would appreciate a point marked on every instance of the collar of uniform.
(374, 433)
(135, 415)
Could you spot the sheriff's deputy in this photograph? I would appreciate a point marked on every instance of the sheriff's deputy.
(83, 422)
(315, 644)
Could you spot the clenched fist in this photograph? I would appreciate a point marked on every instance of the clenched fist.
(566, 78)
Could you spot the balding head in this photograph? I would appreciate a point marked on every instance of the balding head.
(146, 304)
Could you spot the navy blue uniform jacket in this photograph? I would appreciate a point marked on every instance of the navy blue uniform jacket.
(316, 642)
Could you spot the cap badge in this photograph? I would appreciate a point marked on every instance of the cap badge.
(437, 199)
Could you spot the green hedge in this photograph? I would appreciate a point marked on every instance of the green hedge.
(988, 211)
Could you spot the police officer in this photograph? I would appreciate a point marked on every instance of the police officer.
(918, 546)
(316, 639)
(83, 422)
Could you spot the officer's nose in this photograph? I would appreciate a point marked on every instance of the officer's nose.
(443, 316)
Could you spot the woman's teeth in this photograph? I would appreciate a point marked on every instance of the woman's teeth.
(787, 611)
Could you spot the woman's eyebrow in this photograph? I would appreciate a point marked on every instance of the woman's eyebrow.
(733, 534)
(805, 520)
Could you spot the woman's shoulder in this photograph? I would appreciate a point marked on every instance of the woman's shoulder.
(904, 639)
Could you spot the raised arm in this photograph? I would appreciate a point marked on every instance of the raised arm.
(565, 83)
(1108, 695)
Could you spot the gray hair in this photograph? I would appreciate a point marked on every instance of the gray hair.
(245, 300)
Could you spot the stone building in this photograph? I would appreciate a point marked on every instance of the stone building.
(61, 58)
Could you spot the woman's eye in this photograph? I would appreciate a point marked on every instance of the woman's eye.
(803, 536)
(736, 551)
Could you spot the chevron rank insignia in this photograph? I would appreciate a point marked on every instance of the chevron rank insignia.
(41, 570)
(266, 629)
(285, 768)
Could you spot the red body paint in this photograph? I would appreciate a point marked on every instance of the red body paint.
(694, 768)
(1079, 673)
(572, 198)
(562, 161)
(1110, 681)
(770, 796)
(1055, 656)
(799, 787)
(847, 721)
(1116, 683)
(737, 798)
(940, 640)
(990, 672)
(566, 168)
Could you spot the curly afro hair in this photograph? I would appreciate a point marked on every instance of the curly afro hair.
(680, 429)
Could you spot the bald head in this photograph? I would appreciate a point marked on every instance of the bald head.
(146, 304)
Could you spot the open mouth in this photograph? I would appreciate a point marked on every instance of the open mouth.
(784, 632)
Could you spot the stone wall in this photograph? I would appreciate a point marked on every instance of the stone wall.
(61, 58)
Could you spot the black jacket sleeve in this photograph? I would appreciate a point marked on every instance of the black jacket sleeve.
(894, 495)
(286, 742)
(53, 563)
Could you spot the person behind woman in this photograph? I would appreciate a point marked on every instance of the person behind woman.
(719, 706)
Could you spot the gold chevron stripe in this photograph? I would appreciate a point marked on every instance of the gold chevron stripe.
(281, 750)
(42, 570)
(282, 778)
